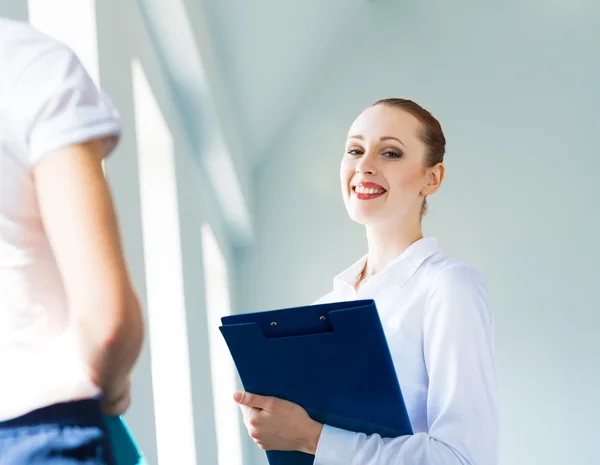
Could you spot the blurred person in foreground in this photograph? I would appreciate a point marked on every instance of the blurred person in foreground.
(71, 326)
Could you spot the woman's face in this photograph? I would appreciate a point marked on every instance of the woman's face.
(383, 172)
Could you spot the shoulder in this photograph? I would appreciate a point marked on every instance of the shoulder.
(64, 107)
(21, 46)
(35, 68)
(458, 289)
(451, 273)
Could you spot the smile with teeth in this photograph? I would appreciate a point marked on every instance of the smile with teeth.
(368, 190)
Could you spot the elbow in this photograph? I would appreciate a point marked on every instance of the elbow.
(114, 323)
(126, 327)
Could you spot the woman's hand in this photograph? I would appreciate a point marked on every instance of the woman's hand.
(276, 424)
(116, 399)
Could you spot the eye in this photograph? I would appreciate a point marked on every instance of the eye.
(353, 151)
(392, 155)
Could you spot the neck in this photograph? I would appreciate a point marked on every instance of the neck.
(386, 244)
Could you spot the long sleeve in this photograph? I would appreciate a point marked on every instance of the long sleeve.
(461, 400)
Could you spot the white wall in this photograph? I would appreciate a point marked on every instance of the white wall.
(122, 172)
(14, 9)
(196, 204)
(515, 85)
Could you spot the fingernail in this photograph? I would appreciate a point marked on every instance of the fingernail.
(238, 396)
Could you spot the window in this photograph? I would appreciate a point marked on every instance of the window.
(223, 372)
(72, 22)
(164, 279)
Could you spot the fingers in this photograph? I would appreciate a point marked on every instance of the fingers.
(247, 412)
(256, 401)
(118, 401)
(116, 408)
(249, 416)
(253, 420)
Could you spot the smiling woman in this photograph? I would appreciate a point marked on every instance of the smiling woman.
(413, 120)
(434, 310)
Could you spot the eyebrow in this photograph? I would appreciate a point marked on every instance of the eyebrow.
(382, 139)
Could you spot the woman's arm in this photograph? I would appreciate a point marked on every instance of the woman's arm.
(79, 218)
(461, 405)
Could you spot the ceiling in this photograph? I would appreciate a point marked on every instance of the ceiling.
(269, 53)
(261, 58)
(239, 72)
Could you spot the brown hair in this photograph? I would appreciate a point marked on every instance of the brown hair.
(431, 132)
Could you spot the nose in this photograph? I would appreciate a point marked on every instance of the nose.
(366, 165)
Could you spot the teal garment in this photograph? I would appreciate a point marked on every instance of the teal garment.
(125, 449)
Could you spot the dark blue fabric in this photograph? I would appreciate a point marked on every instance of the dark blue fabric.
(72, 433)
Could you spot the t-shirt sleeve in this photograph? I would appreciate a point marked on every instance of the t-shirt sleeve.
(56, 104)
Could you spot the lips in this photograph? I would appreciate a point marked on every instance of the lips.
(367, 190)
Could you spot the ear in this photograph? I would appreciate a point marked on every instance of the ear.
(434, 179)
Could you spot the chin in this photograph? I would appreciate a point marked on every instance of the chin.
(363, 217)
(372, 215)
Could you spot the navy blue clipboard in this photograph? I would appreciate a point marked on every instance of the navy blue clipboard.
(332, 359)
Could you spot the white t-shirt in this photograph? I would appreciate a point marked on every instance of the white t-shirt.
(47, 101)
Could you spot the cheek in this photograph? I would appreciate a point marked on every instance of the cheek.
(346, 172)
(408, 182)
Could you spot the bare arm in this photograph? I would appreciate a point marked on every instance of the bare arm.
(80, 221)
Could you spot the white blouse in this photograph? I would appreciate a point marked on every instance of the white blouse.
(434, 312)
